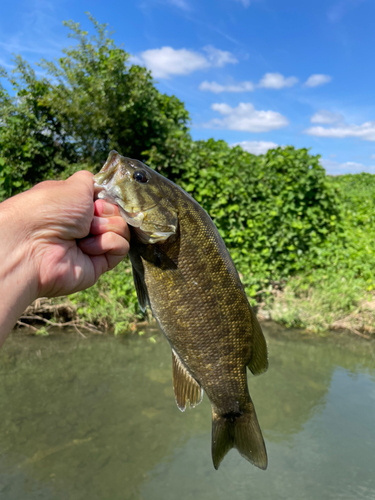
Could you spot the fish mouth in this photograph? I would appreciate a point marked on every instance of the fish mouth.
(133, 217)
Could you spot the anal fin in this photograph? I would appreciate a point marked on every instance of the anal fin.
(186, 388)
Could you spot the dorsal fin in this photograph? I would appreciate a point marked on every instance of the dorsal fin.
(186, 388)
(259, 360)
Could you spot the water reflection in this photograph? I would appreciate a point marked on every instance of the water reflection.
(96, 419)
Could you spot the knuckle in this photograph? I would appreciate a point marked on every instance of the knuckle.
(112, 238)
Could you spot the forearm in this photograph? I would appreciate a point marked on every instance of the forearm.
(16, 291)
(18, 283)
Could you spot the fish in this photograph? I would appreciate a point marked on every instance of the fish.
(183, 271)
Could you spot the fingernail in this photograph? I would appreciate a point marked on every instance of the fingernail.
(108, 209)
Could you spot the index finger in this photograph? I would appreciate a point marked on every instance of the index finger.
(105, 209)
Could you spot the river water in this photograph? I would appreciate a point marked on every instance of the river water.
(95, 419)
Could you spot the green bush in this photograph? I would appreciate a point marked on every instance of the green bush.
(92, 101)
(338, 282)
(112, 302)
(32, 147)
(350, 250)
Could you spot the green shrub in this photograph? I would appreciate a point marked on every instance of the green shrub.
(92, 101)
(112, 302)
(336, 288)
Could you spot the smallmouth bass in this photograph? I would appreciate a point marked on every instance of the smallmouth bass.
(184, 273)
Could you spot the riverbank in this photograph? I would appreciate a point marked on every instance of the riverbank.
(334, 290)
(317, 310)
(313, 312)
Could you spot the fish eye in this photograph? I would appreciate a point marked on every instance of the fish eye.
(140, 176)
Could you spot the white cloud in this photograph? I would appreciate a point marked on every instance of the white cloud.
(349, 167)
(316, 80)
(256, 147)
(324, 116)
(269, 81)
(216, 88)
(168, 61)
(219, 58)
(246, 118)
(277, 81)
(366, 131)
(372, 157)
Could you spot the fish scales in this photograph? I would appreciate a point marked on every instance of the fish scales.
(184, 272)
(211, 342)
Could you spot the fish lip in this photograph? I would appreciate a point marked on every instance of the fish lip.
(129, 217)
(98, 188)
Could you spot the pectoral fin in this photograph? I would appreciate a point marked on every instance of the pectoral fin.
(186, 388)
(162, 264)
(138, 277)
(140, 287)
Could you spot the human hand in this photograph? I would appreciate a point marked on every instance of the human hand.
(47, 232)
(66, 258)
(55, 241)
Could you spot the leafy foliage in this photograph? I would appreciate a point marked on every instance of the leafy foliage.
(33, 146)
(92, 101)
(350, 250)
(338, 283)
(112, 302)
(105, 103)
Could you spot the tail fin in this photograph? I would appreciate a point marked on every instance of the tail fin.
(241, 431)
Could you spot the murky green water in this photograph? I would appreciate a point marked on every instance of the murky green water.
(96, 419)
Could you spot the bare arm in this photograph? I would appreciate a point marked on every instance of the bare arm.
(55, 241)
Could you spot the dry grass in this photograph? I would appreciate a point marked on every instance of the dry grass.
(318, 310)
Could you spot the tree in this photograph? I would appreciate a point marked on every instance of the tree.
(33, 145)
(106, 103)
(90, 101)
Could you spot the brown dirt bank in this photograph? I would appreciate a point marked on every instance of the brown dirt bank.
(44, 314)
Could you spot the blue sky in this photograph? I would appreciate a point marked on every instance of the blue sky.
(256, 72)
